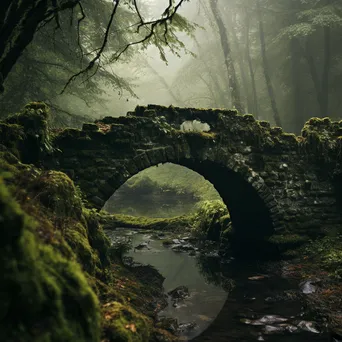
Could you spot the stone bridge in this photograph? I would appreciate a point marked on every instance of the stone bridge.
(271, 181)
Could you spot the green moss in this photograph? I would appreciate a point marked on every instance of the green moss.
(10, 136)
(123, 323)
(8, 164)
(264, 124)
(56, 191)
(289, 138)
(45, 297)
(207, 221)
(33, 120)
(127, 221)
(77, 238)
(276, 131)
(289, 240)
(97, 238)
(319, 122)
(248, 118)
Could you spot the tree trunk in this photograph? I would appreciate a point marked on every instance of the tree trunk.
(255, 107)
(177, 100)
(221, 99)
(326, 71)
(17, 29)
(318, 84)
(240, 58)
(299, 120)
(269, 85)
(228, 60)
(19, 21)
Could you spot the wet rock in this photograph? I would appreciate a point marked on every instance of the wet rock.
(179, 292)
(167, 243)
(183, 248)
(212, 254)
(176, 241)
(142, 246)
(250, 322)
(270, 319)
(265, 320)
(308, 326)
(185, 238)
(291, 328)
(259, 277)
(187, 326)
(308, 286)
(169, 324)
(270, 329)
(192, 253)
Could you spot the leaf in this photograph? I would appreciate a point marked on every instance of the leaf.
(131, 327)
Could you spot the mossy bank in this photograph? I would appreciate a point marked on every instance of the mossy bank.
(60, 278)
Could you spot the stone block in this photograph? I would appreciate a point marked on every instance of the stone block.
(90, 127)
(142, 161)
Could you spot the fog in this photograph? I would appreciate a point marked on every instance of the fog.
(278, 60)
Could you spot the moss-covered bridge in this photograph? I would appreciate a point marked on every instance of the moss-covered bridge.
(269, 180)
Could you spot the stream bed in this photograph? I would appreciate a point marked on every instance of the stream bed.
(223, 301)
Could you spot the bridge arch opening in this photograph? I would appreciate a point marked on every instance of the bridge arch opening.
(249, 202)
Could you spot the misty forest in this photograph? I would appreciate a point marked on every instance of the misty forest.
(170, 170)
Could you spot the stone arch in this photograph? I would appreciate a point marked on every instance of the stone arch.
(254, 211)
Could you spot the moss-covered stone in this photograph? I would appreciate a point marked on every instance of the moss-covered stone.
(36, 141)
(210, 220)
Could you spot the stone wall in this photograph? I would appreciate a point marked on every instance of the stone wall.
(271, 181)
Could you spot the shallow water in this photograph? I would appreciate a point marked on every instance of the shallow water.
(205, 300)
(218, 314)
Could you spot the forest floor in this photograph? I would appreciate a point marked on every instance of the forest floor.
(319, 269)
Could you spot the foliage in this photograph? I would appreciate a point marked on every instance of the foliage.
(86, 43)
(301, 40)
(206, 222)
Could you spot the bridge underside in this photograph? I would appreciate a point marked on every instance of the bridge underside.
(250, 216)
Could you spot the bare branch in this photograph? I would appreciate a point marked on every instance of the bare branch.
(99, 53)
(78, 28)
(168, 15)
(138, 12)
(153, 23)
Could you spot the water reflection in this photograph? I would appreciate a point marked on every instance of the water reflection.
(231, 301)
(206, 297)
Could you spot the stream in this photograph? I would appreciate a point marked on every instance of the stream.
(227, 301)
